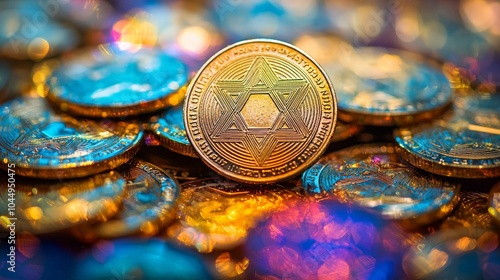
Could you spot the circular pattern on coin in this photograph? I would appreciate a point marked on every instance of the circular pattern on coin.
(148, 203)
(260, 111)
(170, 131)
(112, 81)
(463, 253)
(49, 206)
(465, 143)
(46, 145)
(494, 202)
(385, 87)
(374, 177)
(216, 213)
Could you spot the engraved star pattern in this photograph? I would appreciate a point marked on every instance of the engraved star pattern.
(287, 95)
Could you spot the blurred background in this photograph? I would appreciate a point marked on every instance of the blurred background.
(462, 35)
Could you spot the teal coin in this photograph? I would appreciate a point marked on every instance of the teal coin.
(43, 144)
(374, 177)
(464, 143)
(112, 81)
(169, 130)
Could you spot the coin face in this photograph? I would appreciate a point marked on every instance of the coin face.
(377, 86)
(260, 111)
(466, 253)
(114, 82)
(494, 202)
(49, 206)
(43, 144)
(216, 213)
(169, 130)
(148, 203)
(465, 143)
(374, 177)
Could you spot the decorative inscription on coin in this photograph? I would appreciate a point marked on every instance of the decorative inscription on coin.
(464, 143)
(148, 203)
(116, 82)
(46, 145)
(260, 111)
(374, 177)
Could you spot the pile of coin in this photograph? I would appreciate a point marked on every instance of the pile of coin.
(124, 142)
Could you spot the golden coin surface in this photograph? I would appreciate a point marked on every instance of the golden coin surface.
(148, 203)
(472, 211)
(215, 213)
(494, 202)
(48, 206)
(44, 144)
(260, 111)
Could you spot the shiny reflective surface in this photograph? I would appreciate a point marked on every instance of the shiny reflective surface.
(27, 32)
(325, 240)
(464, 143)
(46, 145)
(148, 203)
(254, 114)
(378, 86)
(139, 259)
(183, 168)
(49, 206)
(170, 130)
(217, 213)
(472, 211)
(374, 177)
(467, 253)
(117, 80)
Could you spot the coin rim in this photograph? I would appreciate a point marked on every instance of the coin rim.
(169, 100)
(276, 178)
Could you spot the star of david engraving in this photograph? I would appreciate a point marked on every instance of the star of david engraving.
(287, 95)
(54, 136)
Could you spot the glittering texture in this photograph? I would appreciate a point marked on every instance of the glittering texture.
(325, 240)
(462, 253)
(374, 177)
(464, 143)
(472, 211)
(49, 206)
(216, 213)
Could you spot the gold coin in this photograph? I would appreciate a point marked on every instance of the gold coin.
(148, 204)
(494, 202)
(260, 111)
(48, 206)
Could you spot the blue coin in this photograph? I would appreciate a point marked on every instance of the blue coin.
(4, 75)
(113, 81)
(378, 86)
(464, 143)
(140, 259)
(374, 177)
(44, 144)
(171, 132)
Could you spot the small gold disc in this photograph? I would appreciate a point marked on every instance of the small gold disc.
(260, 111)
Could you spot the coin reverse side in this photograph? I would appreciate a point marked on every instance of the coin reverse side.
(260, 111)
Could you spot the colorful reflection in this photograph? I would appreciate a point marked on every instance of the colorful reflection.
(326, 240)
